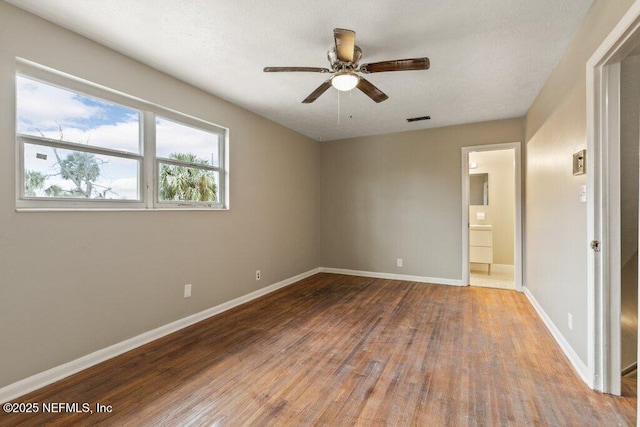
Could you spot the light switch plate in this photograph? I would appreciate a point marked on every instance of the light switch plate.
(480, 216)
(583, 193)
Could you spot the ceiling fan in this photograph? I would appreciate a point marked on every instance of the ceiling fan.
(344, 58)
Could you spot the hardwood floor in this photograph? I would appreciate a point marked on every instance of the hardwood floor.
(344, 350)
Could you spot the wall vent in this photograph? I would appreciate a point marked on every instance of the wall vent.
(417, 119)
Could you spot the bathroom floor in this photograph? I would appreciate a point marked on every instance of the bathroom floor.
(501, 276)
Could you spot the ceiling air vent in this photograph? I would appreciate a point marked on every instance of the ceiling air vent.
(417, 119)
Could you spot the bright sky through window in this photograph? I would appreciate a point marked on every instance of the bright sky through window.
(172, 137)
(45, 110)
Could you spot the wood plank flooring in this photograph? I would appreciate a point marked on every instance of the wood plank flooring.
(342, 350)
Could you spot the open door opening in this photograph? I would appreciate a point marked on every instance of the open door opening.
(629, 191)
(492, 200)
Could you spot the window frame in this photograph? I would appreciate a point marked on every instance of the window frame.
(148, 162)
(65, 145)
(219, 203)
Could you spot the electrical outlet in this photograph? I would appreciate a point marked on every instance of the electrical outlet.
(570, 321)
(399, 262)
(258, 275)
(187, 290)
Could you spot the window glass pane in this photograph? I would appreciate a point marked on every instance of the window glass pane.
(174, 139)
(56, 172)
(182, 183)
(59, 114)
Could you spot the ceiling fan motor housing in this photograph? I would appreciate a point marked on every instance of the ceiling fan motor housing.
(338, 65)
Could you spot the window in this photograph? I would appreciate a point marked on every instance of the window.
(75, 146)
(188, 163)
(82, 146)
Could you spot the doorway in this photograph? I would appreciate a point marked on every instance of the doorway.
(629, 192)
(491, 216)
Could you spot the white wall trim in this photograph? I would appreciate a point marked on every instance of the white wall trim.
(603, 284)
(576, 361)
(52, 375)
(405, 277)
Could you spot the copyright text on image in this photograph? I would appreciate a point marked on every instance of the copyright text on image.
(55, 408)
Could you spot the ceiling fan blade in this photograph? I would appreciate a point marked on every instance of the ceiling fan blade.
(371, 91)
(316, 93)
(304, 69)
(345, 44)
(397, 65)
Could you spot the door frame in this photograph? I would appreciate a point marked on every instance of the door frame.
(603, 201)
(517, 253)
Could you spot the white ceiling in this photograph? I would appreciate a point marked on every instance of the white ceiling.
(489, 58)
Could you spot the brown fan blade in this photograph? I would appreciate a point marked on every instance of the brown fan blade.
(371, 91)
(345, 44)
(304, 69)
(397, 65)
(316, 93)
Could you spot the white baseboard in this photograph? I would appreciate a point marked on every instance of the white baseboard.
(52, 375)
(421, 279)
(576, 361)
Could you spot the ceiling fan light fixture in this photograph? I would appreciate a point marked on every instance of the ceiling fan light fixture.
(345, 81)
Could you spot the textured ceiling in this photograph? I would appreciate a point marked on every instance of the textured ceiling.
(489, 58)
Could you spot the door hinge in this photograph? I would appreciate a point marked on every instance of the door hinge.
(595, 245)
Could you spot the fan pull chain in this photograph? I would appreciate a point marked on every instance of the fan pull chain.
(338, 106)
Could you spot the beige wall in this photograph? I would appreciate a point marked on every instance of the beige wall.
(76, 282)
(500, 212)
(556, 226)
(400, 196)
